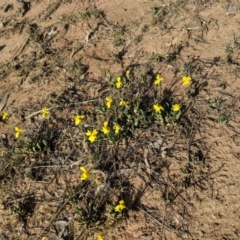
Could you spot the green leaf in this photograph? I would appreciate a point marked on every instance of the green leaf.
(44, 142)
(39, 146)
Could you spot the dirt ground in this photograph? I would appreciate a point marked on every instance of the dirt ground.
(179, 181)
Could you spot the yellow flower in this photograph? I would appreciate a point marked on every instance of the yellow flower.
(45, 112)
(78, 119)
(123, 103)
(92, 135)
(176, 107)
(44, 238)
(186, 80)
(158, 108)
(120, 206)
(18, 132)
(119, 82)
(100, 237)
(158, 79)
(117, 128)
(105, 128)
(109, 102)
(85, 173)
(128, 74)
(4, 116)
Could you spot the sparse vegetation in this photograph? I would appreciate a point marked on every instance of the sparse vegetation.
(95, 131)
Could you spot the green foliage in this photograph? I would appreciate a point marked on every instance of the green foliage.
(90, 213)
(117, 42)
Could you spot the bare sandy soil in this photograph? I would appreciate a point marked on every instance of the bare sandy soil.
(179, 181)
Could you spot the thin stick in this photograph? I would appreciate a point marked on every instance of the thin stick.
(180, 29)
(35, 113)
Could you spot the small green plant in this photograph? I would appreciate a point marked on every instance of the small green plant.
(69, 18)
(155, 10)
(117, 42)
(232, 46)
(96, 13)
(16, 209)
(32, 145)
(91, 213)
(223, 118)
(214, 104)
(159, 14)
(119, 31)
(168, 196)
(84, 14)
(166, 113)
(89, 13)
(75, 66)
(187, 177)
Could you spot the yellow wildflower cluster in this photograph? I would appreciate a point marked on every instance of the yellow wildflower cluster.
(4, 116)
(116, 128)
(105, 128)
(119, 82)
(78, 119)
(123, 103)
(100, 237)
(85, 174)
(18, 132)
(92, 135)
(121, 206)
(45, 112)
(176, 107)
(186, 80)
(158, 79)
(109, 102)
(158, 108)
